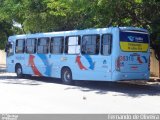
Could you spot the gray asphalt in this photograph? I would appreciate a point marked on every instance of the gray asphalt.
(49, 95)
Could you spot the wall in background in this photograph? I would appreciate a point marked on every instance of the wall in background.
(2, 57)
(154, 65)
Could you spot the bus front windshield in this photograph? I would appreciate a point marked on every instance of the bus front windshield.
(134, 41)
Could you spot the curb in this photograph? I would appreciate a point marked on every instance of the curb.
(2, 68)
(154, 79)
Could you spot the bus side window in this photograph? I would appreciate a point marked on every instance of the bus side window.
(72, 44)
(20, 43)
(30, 45)
(56, 46)
(43, 45)
(90, 44)
(106, 44)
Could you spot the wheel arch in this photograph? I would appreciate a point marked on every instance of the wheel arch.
(16, 65)
(65, 67)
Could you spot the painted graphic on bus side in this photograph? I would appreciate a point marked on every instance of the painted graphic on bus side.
(89, 60)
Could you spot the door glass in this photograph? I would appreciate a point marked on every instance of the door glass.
(9, 49)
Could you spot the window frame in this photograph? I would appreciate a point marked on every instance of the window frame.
(35, 45)
(23, 47)
(62, 45)
(66, 44)
(103, 44)
(9, 49)
(91, 44)
(48, 45)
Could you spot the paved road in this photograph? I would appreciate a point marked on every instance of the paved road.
(43, 95)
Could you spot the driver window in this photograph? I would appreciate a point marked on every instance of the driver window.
(9, 49)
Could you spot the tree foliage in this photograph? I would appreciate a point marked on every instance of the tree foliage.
(58, 15)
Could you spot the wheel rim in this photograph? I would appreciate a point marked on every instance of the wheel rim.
(67, 76)
(19, 71)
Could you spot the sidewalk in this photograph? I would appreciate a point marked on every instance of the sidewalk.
(154, 79)
(2, 67)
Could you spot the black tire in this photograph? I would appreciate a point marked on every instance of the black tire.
(66, 76)
(19, 71)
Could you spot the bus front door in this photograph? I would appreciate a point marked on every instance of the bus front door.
(10, 56)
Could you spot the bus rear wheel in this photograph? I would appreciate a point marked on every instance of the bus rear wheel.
(66, 76)
(19, 71)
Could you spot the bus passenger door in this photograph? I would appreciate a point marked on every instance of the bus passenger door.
(56, 53)
(42, 57)
(106, 56)
(10, 56)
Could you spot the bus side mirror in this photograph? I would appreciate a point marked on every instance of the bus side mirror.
(7, 47)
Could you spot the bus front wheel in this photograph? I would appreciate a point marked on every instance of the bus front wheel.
(66, 76)
(19, 71)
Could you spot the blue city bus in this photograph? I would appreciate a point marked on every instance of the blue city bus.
(102, 54)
